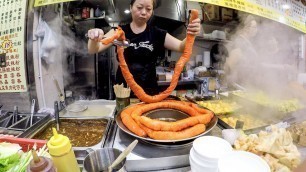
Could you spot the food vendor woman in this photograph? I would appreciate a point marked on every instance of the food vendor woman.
(146, 42)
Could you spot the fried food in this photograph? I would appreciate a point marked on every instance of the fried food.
(276, 147)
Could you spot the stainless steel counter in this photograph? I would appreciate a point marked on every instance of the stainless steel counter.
(148, 156)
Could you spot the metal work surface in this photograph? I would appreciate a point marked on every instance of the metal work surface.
(148, 156)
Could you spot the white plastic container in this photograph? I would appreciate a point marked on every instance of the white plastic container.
(205, 153)
(242, 161)
(199, 60)
(206, 59)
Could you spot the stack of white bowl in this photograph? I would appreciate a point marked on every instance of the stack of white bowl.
(205, 153)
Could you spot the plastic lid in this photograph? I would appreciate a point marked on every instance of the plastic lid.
(58, 144)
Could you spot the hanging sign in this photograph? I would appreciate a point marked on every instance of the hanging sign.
(12, 45)
(48, 2)
(289, 12)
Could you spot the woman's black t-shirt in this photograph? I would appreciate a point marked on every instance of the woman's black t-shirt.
(141, 56)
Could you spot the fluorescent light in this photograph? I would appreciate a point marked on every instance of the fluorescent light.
(286, 6)
(109, 18)
(127, 11)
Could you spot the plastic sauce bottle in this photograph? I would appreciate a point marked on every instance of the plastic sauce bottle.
(40, 164)
(62, 154)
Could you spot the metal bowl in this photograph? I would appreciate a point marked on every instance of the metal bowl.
(166, 115)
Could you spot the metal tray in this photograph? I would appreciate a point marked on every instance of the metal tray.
(177, 115)
(37, 131)
(250, 130)
(254, 105)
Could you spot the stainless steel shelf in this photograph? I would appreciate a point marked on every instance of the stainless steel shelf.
(180, 82)
(200, 38)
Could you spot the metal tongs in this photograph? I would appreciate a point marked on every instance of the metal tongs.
(123, 43)
(32, 111)
(56, 113)
(15, 113)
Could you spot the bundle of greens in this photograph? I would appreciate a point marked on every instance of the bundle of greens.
(9, 156)
(13, 159)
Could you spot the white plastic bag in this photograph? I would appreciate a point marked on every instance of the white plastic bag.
(49, 42)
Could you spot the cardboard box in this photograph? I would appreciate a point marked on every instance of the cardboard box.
(161, 77)
(211, 12)
(227, 14)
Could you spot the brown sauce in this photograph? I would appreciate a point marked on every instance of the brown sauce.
(82, 133)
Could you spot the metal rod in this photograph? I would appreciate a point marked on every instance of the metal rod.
(32, 111)
(56, 113)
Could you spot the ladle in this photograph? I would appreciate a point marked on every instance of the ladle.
(123, 155)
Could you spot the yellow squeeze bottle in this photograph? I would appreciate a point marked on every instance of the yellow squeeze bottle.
(62, 154)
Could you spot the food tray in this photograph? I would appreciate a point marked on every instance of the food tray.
(220, 107)
(251, 122)
(260, 100)
(26, 144)
(78, 122)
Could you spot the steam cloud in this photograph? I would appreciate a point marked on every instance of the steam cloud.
(268, 56)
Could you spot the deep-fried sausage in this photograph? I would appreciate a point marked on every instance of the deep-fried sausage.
(169, 135)
(139, 92)
(129, 122)
(158, 125)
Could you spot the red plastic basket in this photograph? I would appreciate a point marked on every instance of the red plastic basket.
(26, 144)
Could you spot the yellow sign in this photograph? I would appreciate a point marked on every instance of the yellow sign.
(48, 2)
(12, 46)
(289, 12)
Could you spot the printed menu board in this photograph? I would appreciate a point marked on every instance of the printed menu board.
(48, 2)
(289, 12)
(12, 44)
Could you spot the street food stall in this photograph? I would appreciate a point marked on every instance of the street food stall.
(210, 112)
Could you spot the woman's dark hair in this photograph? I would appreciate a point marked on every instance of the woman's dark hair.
(153, 1)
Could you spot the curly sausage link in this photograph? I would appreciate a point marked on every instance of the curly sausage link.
(158, 125)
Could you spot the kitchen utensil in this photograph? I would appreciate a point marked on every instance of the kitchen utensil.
(56, 113)
(240, 87)
(32, 111)
(15, 113)
(123, 155)
(195, 102)
(125, 43)
(101, 159)
(60, 94)
(239, 124)
(174, 114)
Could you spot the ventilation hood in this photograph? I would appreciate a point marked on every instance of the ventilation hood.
(168, 14)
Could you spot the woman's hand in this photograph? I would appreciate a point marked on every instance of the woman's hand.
(194, 27)
(95, 34)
